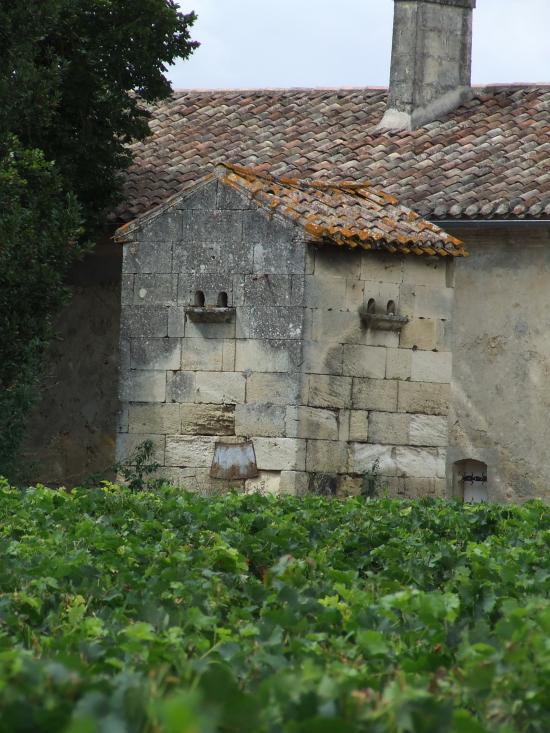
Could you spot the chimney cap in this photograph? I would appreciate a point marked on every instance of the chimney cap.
(471, 4)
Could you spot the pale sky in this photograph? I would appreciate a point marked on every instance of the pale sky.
(327, 43)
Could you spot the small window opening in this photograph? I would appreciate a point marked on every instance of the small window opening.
(222, 300)
(199, 299)
(390, 308)
(471, 481)
(371, 306)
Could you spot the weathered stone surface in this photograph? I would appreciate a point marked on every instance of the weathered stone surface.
(210, 284)
(193, 451)
(183, 478)
(207, 419)
(294, 483)
(228, 356)
(405, 487)
(364, 361)
(155, 289)
(359, 426)
(180, 386)
(421, 333)
(269, 322)
(343, 418)
(428, 430)
(420, 462)
(433, 302)
(220, 387)
(267, 482)
(382, 268)
(259, 228)
(147, 257)
(143, 386)
(213, 226)
(322, 358)
(166, 227)
(329, 391)
(430, 271)
(327, 456)
(229, 199)
(355, 290)
(311, 422)
(203, 198)
(154, 418)
(334, 262)
(325, 292)
(280, 454)
(128, 444)
(259, 419)
(275, 389)
(284, 258)
(159, 354)
(176, 322)
(425, 398)
(337, 326)
(127, 289)
(144, 321)
(212, 257)
(263, 355)
(398, 363)
(374, 394)
(201, 330)
(431, 366)
(363, 457)
(268, 289)
(389, 428)
(202, 354)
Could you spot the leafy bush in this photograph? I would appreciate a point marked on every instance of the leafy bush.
(167, 613)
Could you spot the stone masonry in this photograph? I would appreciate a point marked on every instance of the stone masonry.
(294, 369)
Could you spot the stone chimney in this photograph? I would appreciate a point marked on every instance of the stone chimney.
(431, 61)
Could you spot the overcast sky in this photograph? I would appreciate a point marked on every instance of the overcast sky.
(285, 43)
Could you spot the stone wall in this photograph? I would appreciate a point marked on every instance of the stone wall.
(293, 369)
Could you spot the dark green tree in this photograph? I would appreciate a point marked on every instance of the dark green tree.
(76, 80)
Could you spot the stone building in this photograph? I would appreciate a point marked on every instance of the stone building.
(474, 162)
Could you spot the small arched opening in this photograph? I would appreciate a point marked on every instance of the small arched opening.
(199, 299)
(470, 478)
(371, 306)
(222, 300)
(390, 308)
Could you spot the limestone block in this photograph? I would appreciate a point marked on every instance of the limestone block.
(160, 354)
(143, 386)
(363, 457)
(198, 257)
(374, 394)
(431, 366)
(425, 398)
(207, 486)
(165, 227)
(420, 462)
(407, 300)
(429, 271)
(349, 486)
(398, 363)
(323, 358)
(128, 444)
(334, 262)
(207, 419)
(311, 422)
(364, 361)
(176, 322)
(325, 292)
(327, 456)
(212, 226)
(267, 482)
(284, 257)
(381, 293)
(229, 198)
(429, 430)
(180, 386)
(381, 268)
(203, 198)
(220, 387)
(127, 289)
(354, 294)
(276, 389)
(182, 478)
(359, 426)
(389, 339)
(122, 419)
(267, 355)
(433, 302)
(155, 289)
(343, 327)
(260, 228)
(147, 257)
(266, 289)
(258, 419)
(201, 330)
(269, 322)
(210, 284)
(420, 333)
(159, 418)
(295, 483)
(298, 295)
(124, 356)
(144, 321)
(202, 354)
(280, 454)
(343, 418)
(190, 451)
(329, 391)
(228, 356)
(389, 428)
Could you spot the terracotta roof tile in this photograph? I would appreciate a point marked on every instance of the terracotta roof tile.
(489, 158)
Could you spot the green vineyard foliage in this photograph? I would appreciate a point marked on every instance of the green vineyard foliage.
(164, 612)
